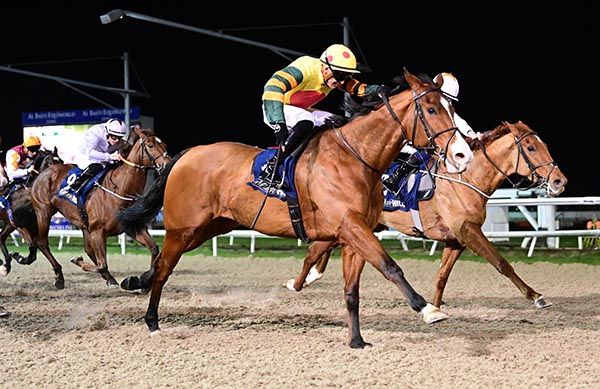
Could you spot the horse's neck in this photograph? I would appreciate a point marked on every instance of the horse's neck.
(377, 136)
(483, 174)
(129, 179)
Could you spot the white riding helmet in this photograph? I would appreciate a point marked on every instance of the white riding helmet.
(450, 85)
(116, 127)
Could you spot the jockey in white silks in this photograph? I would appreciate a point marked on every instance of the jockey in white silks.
(98, 147)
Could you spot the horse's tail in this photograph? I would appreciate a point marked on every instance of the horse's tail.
(135, 217)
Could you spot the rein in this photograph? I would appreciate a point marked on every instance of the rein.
(539, 182)
(419, 116)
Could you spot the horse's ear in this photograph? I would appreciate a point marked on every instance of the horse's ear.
(412, 80)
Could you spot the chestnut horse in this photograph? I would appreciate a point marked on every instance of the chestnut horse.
(457, 210)
(205, 193)
(117, 190)
(23, 217)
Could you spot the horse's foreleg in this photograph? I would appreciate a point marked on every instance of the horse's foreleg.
(472, 237)
(4, 234)
(451, 253)
(145, 280)
(317, 252)
(356, 233)
(352, 268)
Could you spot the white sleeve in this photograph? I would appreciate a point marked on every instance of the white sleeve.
(89, 148)
(463, 126)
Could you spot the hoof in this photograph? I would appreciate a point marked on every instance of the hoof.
(59, 284)
(290, 285)
(313, 275)
(4, 314)
(131, 283)
(541, 303)
(112, 283)
(76, 260)
(154, 333)
(432, 314)
(4, 271)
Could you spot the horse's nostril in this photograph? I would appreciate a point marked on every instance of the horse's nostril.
(557, 183)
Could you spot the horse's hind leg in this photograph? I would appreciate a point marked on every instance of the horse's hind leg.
(95, 248)
(451, 253)
(176, 243)
(4, 234)
(144, 281)
(318, 252)
(355, 232)
(474, 239)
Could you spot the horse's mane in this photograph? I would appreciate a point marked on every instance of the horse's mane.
(358, 106)
(125, 147)
(497, 132)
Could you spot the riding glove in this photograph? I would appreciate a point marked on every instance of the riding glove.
(281, 132)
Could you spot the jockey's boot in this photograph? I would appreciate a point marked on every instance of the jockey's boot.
(268, 173)
(408, 163)
(298, 134)
(87, 174)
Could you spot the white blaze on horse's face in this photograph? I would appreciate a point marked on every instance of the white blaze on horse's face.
(459, 153)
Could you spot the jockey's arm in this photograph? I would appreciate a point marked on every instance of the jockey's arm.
(464, 127)
(89, 147)
(359, 89)
(13, 170)
(281, 82)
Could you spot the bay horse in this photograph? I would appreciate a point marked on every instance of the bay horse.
(117, 190)
(23, 218)
(205, 193)
(456, 212)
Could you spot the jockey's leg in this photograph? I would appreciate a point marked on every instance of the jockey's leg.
(87, 174)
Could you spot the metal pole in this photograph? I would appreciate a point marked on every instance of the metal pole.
(126, 87)
(346, 26)
(74, 82)
(346, 38)
(147, 18)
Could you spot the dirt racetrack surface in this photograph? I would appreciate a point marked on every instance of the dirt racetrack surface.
(228, 322)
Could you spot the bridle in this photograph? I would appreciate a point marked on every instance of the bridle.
(537, 181)
(419, 116)
(145, 152)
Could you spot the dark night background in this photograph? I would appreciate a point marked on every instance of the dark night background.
(534, 65)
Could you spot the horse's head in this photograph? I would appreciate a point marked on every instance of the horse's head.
(44, 159)
(534, 160)
(432, 123)
(148, 151)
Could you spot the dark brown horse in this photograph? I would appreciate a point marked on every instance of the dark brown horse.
(117, 190)
(456, 212)
(205, 193)
(22, 216)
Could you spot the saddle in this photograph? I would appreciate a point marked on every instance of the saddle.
(285, 189)
(405, 192)
(79, 199)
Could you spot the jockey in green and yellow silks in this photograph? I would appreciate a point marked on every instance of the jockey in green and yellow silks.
(291, 92)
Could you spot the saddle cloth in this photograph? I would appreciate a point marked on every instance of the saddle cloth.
(72, 175)
(284, 170)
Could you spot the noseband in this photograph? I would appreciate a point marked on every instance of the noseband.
(419, 115)
(144, 151)
(538, 181)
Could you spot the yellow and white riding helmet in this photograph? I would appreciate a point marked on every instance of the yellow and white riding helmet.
(450, 85)
(339, 58)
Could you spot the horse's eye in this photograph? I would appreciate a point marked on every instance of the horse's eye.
(530, 148)
(431, 110)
